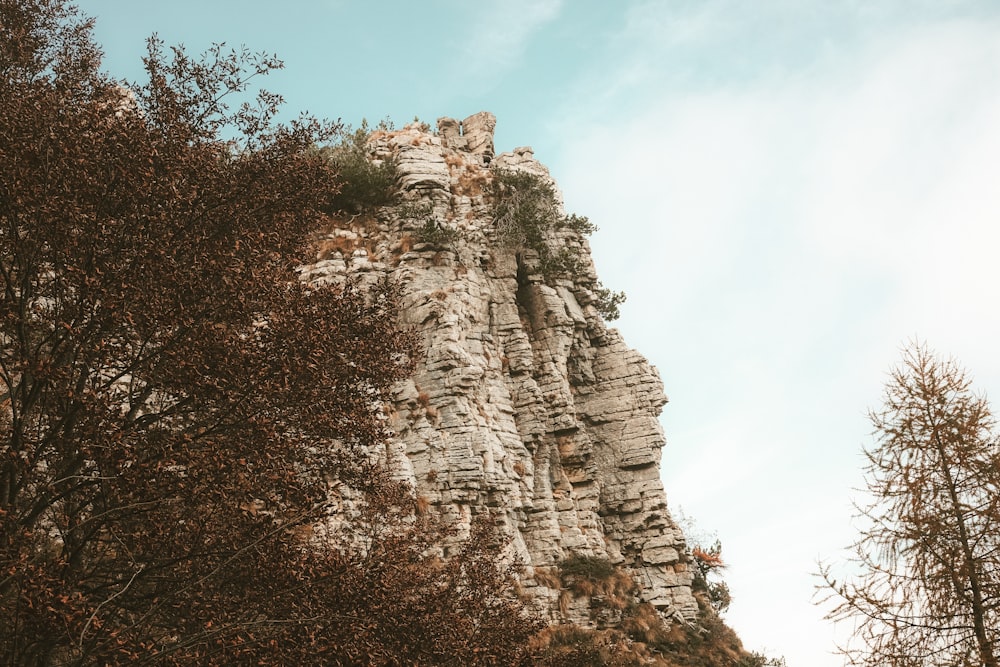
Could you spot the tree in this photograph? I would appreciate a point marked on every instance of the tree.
(928, 589)
(414, 607)
(178, 412)
(707, 578)
(705, 554)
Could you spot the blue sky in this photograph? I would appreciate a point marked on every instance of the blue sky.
(788, 191)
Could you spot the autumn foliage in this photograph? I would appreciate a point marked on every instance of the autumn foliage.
(707, 561)
(180, 416)
(924, 587)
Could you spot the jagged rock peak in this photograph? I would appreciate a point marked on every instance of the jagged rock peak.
(525, 404)
(478, 131)
(474, 134)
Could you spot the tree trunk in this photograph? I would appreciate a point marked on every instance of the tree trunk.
(986, 655)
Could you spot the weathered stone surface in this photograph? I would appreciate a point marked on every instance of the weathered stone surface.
(478, 132)
(421, 163)
(524, 403)
(450, 131)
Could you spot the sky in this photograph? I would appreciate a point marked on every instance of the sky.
(788, 191)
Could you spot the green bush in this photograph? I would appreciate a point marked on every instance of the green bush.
(433, 233)
(588, 567)
(524, 209)
(579, 224)
(607, 301)
(365, 185)
(526, 213)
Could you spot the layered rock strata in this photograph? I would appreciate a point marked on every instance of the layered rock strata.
(525, 404)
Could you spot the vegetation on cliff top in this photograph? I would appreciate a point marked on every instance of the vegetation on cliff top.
(526, 215)
(523, 206)
(365, 184)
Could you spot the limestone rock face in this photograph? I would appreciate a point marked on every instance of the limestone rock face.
(524, 404)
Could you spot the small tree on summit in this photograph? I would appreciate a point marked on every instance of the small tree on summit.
(929, 555)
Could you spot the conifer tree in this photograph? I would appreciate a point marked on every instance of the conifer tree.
(928, 588)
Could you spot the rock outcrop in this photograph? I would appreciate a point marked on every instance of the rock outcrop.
(525, 404)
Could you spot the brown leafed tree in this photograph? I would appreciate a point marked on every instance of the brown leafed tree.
(419, 608)
(928, 559)
(169, 391)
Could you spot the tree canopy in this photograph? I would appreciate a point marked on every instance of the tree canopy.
(178, 412)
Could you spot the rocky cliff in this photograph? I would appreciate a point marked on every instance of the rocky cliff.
(525, 404)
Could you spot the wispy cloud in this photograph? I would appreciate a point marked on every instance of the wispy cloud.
(780, 233)
(499, 34)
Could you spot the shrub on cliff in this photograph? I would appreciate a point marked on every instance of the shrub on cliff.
(643, 638)
(526, 215)
(707, 580)
(169, 390)
(365, 184)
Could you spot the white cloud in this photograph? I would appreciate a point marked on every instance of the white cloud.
(905, 183)
(779, 238)
(498, 35)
